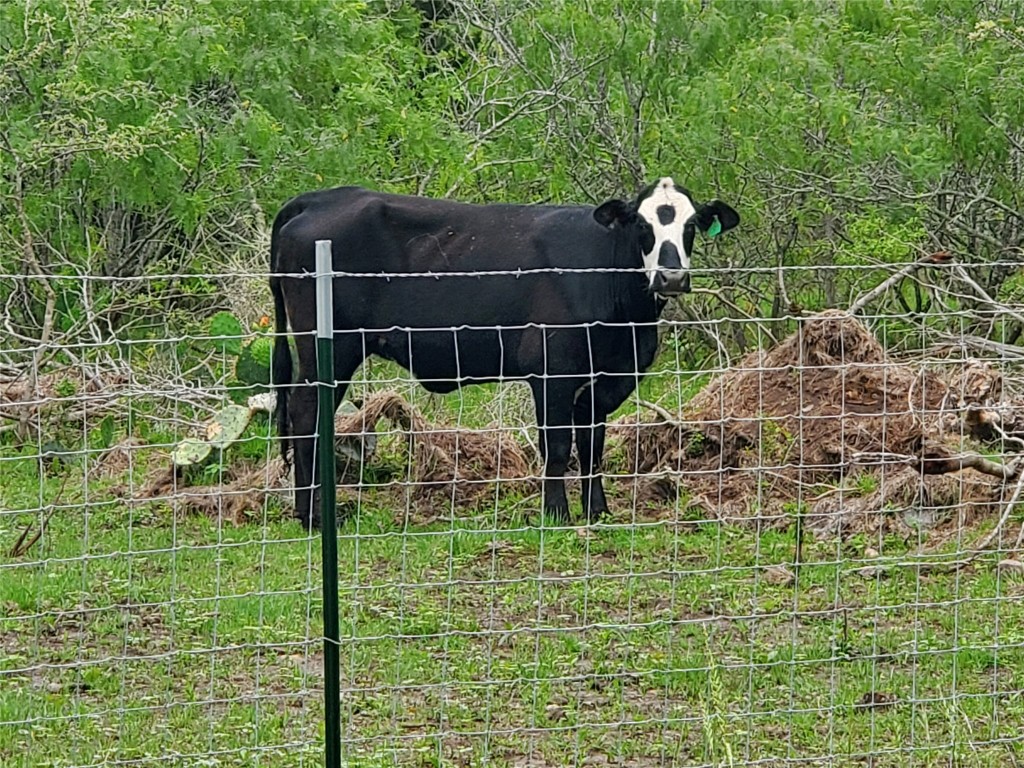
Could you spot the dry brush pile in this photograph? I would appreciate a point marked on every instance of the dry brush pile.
(825, 424)
(442, 468)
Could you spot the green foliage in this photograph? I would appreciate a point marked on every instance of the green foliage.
(253, 364)
(874, 238)
(66, 388)
(158, 142)
(696, 444)
(866, 483)
(143, 141)
(106, 431)
(227, 332)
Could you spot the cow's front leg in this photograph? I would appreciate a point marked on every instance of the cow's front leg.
(553, 400)
(590, 414)
(589, 419)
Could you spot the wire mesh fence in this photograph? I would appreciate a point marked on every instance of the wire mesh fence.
(812, 553)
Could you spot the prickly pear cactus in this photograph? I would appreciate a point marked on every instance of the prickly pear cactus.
(253, 364)
(227, 332)
(191, 451)
(227, 426)
(222, 430)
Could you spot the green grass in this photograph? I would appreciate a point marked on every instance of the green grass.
(130, 635)
(466, 645)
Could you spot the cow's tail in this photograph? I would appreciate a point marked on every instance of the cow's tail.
(281, 367)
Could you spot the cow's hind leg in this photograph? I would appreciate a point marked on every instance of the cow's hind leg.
(303, 413)
(590, 415)
(553, 400)
(590, 430)
(348, 354)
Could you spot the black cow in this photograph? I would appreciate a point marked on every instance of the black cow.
(574, 313)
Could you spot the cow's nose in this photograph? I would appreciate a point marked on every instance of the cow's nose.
(668, 257)
(671, 282)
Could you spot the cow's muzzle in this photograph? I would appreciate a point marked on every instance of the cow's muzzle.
(671, 282)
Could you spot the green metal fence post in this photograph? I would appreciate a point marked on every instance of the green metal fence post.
(329, 529)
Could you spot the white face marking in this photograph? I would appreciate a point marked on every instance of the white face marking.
(666, 194)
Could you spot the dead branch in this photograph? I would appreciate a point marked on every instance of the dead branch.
(984, 543)
(985, 466)
(22, 546)
(985, 299)
(668, 417)
(987, 540)
(719, 294)
(939, 257)
(982, 420)
(936, 459)
(34, 267)
(960, 341)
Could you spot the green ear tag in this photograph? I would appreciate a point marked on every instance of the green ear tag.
(715, 228)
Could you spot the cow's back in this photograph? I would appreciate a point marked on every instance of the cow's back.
(437, 263)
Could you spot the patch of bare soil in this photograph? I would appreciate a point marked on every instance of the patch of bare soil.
(827, 420)
(117, 460)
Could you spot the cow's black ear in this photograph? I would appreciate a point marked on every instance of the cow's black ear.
(708, 213)
(613, 211)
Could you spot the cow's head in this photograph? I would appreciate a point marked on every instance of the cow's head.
(664, 219)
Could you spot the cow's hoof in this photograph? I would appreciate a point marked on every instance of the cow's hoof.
(309, 526)
(557, 515)
(309, 523)
(597, 515)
